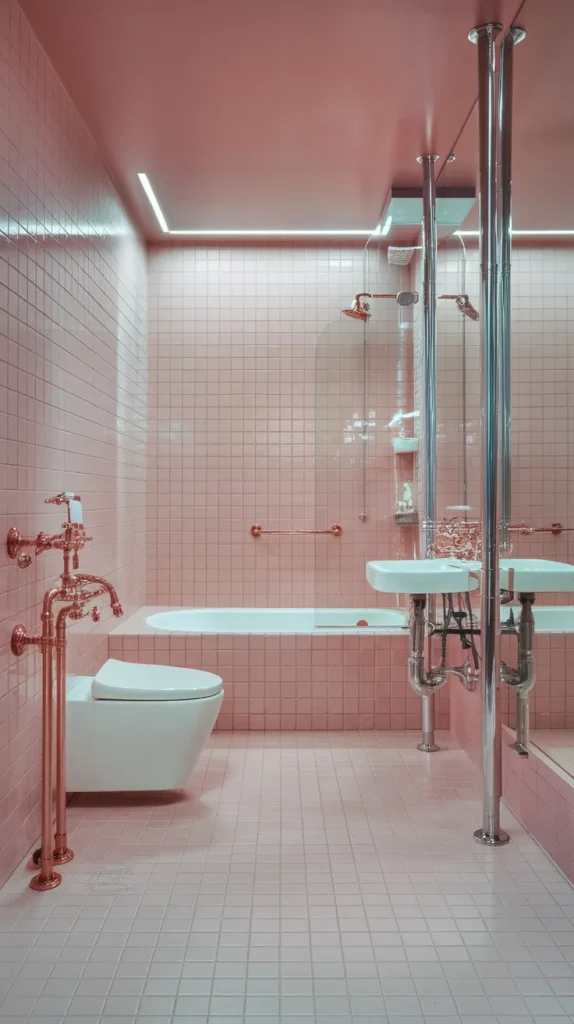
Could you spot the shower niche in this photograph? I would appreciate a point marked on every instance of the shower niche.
(405, 457)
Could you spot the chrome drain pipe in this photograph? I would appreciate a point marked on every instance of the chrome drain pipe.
(424, 683)
(523, 678)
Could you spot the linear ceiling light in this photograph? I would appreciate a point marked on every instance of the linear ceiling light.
(548, 232)
(271, 233)
(274, 232)
(145, 182)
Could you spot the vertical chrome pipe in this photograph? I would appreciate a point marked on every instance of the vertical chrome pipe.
(428, 400)
(505, 84)
(490, 833)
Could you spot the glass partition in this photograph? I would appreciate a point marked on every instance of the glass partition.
(364, 399)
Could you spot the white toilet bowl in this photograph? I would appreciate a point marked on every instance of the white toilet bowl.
(138, 727)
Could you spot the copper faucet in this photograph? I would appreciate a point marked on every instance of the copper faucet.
(104, 588)
(75, 591)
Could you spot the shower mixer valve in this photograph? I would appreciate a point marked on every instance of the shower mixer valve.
(71, 541)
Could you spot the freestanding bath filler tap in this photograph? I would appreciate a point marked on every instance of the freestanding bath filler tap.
(75, 591)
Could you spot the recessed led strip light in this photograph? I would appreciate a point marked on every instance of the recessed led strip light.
(548, 232)
(146, 185)
(234, 233)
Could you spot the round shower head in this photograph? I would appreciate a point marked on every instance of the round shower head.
(359, 310)
(407, 298)
(357, 314)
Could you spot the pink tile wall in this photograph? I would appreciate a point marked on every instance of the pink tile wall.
(305, 681)
(536, 789)
(542, 797)
(72, 385)
(256, 405)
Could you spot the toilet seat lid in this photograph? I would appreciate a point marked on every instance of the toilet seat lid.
(124, 680)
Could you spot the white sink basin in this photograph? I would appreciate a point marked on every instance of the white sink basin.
(422, 576)
(452, 576)
(537, 575)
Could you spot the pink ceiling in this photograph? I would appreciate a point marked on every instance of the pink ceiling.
(268, 113)
(543, 122)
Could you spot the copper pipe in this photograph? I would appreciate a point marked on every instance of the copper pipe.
(47, 878)
(555, 529)
(257, 530)
(62, 852)
(70, 542)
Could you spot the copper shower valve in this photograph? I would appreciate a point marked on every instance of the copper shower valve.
(73, 539)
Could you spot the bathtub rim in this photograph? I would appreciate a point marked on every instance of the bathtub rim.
(137, 624)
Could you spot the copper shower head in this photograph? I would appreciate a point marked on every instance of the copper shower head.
(466, 308)
(464, 305)
(359, 310)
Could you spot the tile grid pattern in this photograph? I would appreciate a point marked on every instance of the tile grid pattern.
(313, 878)
(72, 386)
(306, 681)
(256, 410)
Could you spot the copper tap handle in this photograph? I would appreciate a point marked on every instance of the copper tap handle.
(61, 499)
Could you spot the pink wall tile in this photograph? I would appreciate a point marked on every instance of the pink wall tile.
(290, 682)
(256, 405)
(72, 386)
(542, 797)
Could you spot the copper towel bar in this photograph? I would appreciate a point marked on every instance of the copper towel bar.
(257, 530)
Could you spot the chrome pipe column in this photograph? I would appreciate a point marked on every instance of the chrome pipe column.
(490, 832)
(526, 673)
(505, 84)
(428, 419)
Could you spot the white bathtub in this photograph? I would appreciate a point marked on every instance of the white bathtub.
(554, 619)
(279, 620)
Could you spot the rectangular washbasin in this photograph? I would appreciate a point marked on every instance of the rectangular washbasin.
(537, 575)
(422, 576)
(452, 576)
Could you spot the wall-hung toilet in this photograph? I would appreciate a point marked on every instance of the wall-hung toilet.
(138, 727)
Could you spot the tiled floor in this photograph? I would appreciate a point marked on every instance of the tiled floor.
(557, 744)
(309, 877)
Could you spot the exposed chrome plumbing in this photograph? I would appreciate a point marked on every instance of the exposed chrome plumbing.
(426, 682)
(523, 678)
(422, 682)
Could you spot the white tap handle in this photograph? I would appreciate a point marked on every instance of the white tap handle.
(76, 512)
